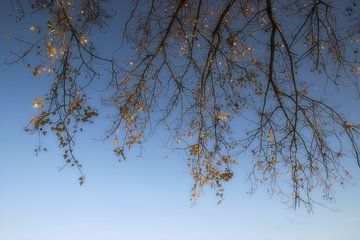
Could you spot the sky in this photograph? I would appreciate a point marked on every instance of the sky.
(145, 197)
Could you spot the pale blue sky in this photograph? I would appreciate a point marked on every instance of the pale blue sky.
(141, 198)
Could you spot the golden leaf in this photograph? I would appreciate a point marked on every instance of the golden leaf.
(348, 126)
(273, 161)
(226, 176)
(232, 41)
(271, 136)
(37, 71)
(140, 106)
(52, 51)
(38, 103)
(83, 40)
(196, 195)
(195, 149)
(35, 121)
(222, 116)
(225, 159)
(115, 141)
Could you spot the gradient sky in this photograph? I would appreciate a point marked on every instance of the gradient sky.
(142, 198)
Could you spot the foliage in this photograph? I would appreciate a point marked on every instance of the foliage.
(202, 67)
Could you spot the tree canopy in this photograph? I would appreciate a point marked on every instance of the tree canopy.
(225, 78)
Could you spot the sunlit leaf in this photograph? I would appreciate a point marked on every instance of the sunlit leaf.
(38, 103)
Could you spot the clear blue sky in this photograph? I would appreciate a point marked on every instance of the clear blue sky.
(141, 198)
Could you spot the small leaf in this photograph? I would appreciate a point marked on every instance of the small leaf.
(37, 72)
